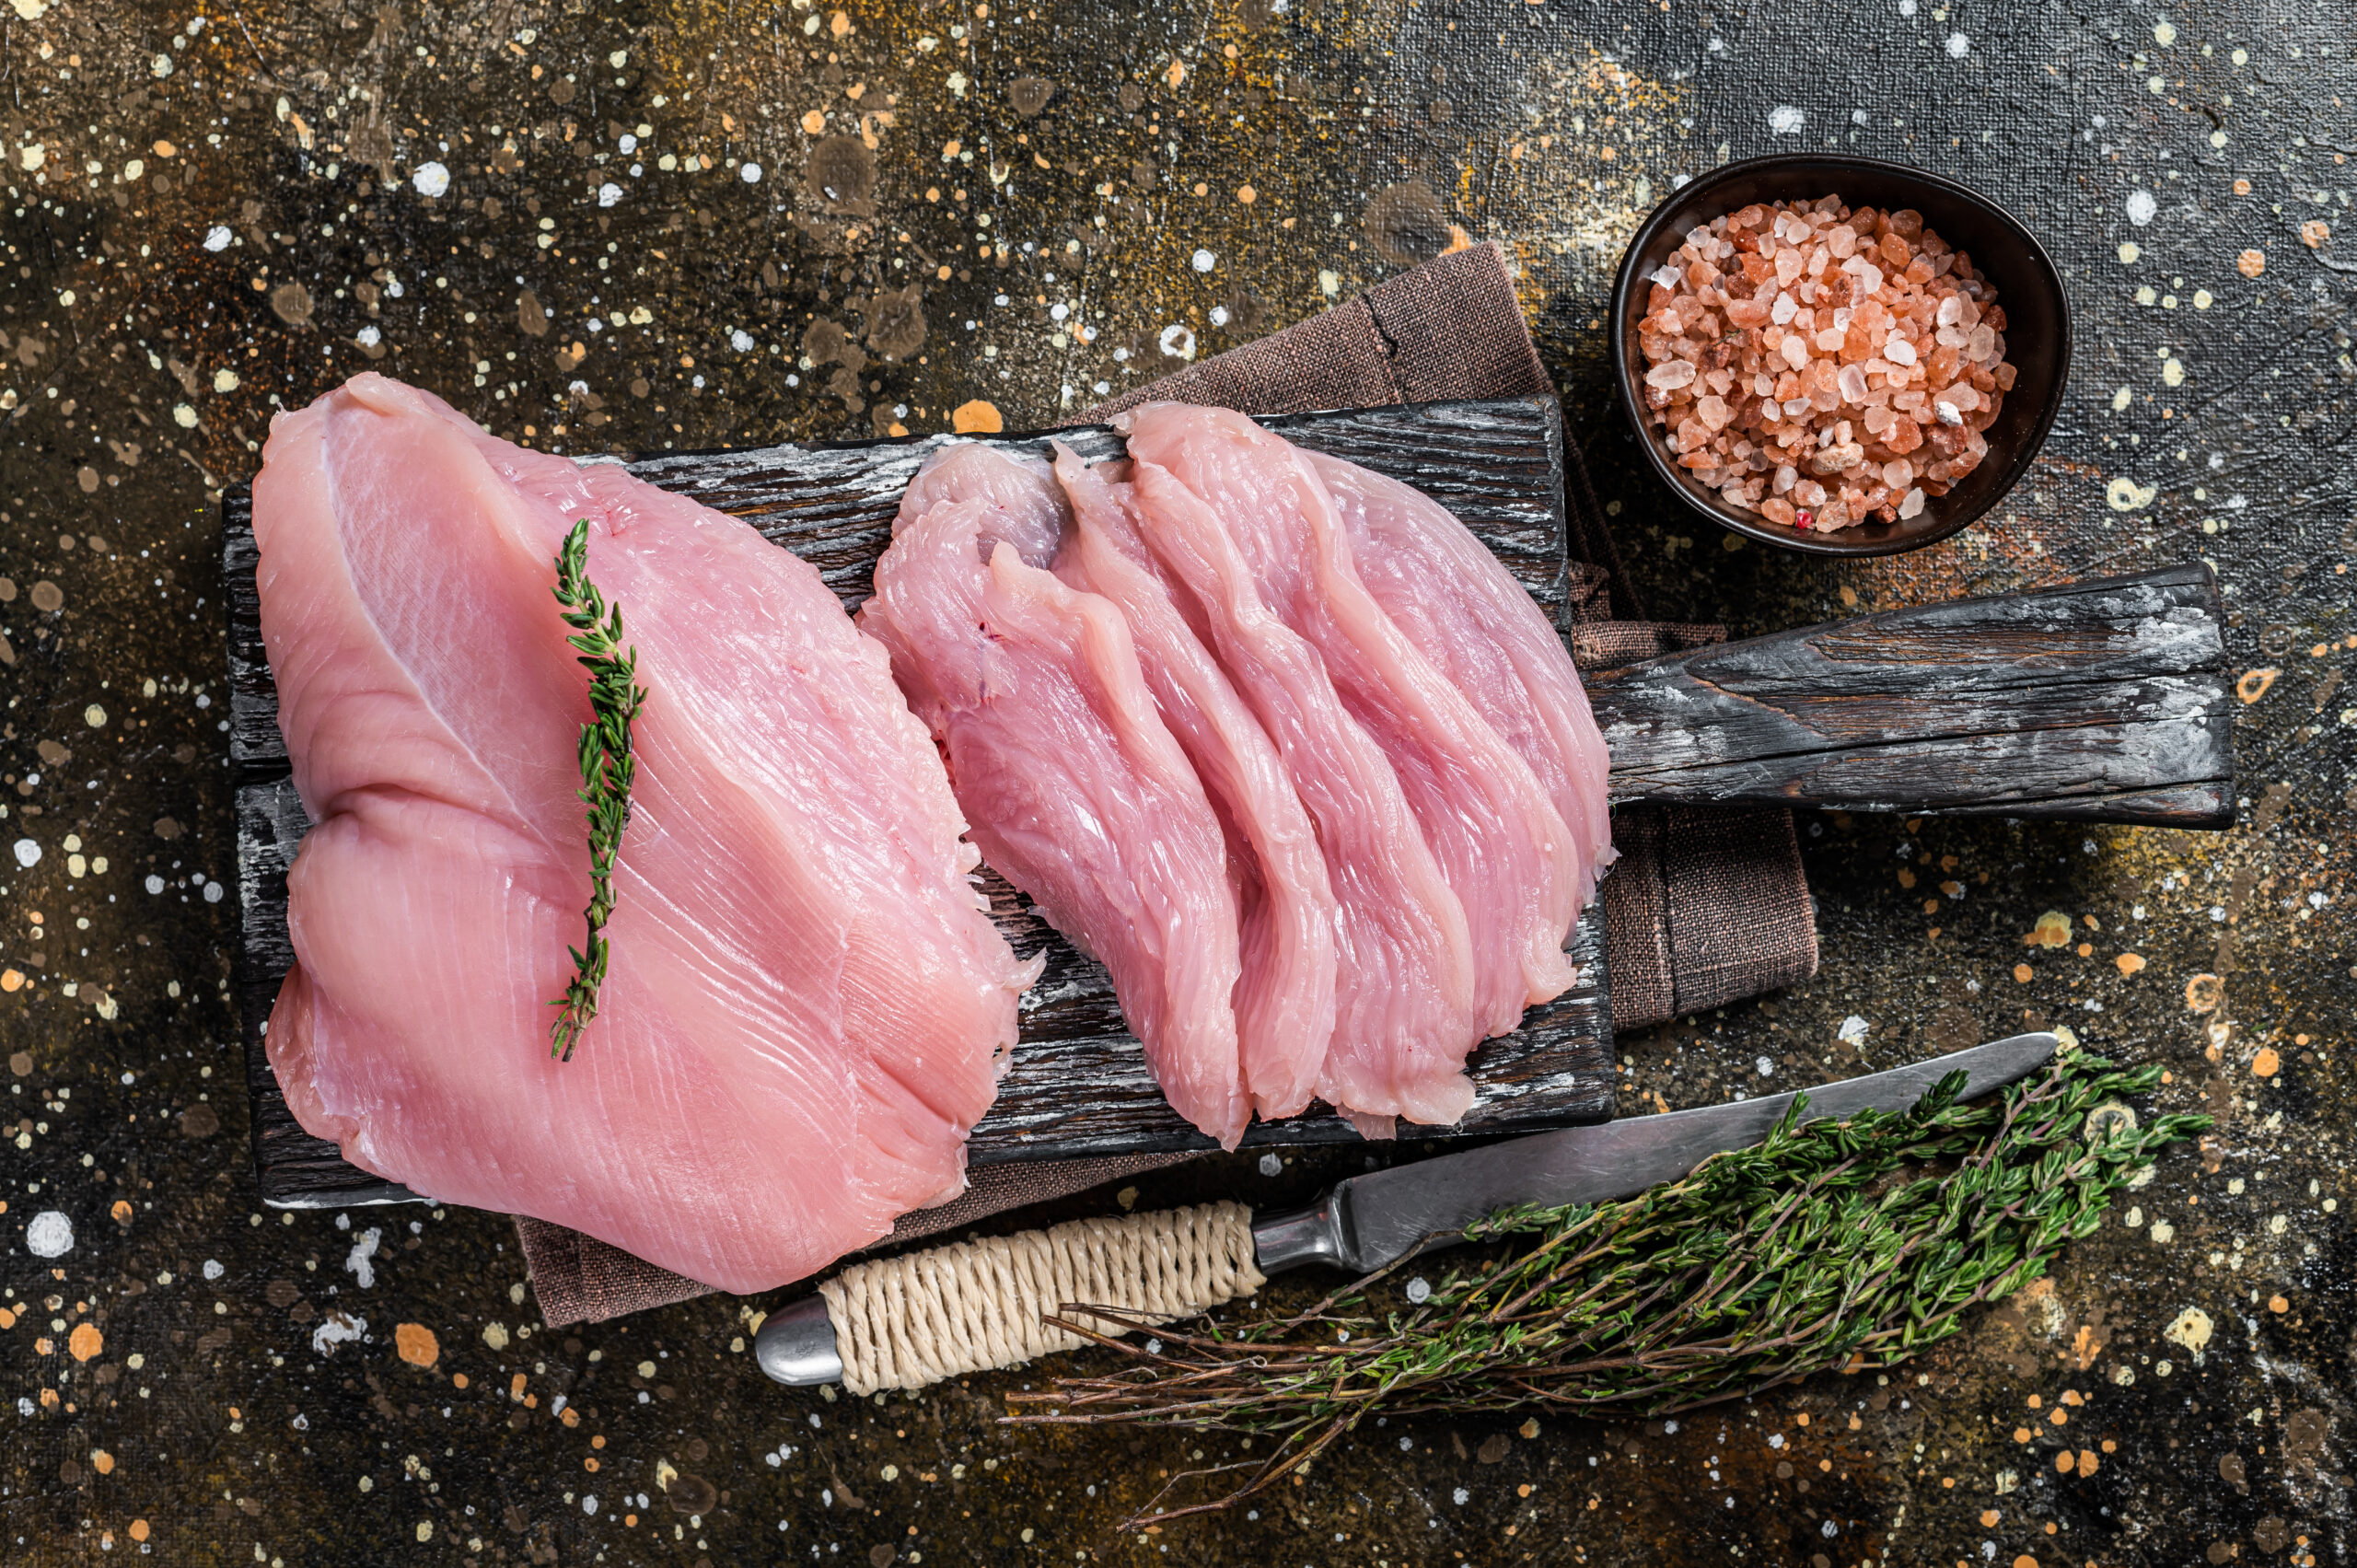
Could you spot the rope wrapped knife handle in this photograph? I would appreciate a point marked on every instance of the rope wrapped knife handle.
(909, 1321)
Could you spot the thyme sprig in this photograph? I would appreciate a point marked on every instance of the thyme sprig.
(1835, 1243)
(608, 766)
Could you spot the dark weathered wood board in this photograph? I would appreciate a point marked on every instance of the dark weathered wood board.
(2104, 701)
(1078, 1084)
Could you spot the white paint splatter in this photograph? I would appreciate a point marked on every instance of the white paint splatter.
(749, 173)
(49, 1234)
(741, 340)
(1785, 120)
(2190, 1329)
(358, 1259)
(1178, 341)
(337, 1329)
(2124, 495)
(214, 1269)
(1958, 46)
(1204, 261)
(1271, 1165)
(27, 854)
(217, 238)
(2141, 207)
(609, 195)
(431, 179)
(1853, 1030)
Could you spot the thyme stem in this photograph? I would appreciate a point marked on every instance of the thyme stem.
(608, 767)
(1835, 1243)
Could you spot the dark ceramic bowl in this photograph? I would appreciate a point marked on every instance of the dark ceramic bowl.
(2037, 330)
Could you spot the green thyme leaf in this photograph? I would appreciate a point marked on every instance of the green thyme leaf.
(607, 770)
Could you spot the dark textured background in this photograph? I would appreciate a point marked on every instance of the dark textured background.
(166, 1387)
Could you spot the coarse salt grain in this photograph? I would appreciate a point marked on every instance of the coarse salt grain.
(1804, 340)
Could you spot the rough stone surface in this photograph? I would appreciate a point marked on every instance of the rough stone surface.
(201, 224)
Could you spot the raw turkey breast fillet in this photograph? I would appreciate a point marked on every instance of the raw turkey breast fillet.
(1249, 522)
(807, 1008)
(1079, 794)
(1401, 785)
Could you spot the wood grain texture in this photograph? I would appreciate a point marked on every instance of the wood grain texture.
(1078, 1084)
(2104, 701)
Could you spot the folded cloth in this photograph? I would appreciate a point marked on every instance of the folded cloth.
(1704, 906)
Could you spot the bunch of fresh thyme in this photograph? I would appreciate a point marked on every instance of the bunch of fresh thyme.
(1833, 1243)
(608, 767)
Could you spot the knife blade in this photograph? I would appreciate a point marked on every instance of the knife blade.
(1368, 1221)
(1365, 1222)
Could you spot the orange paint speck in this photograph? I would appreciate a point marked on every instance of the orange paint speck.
(2278, 1305)
(102, 1461)
(416, 1345)
(86, 1342)
(2052, 930)
(2130, 963)
(976, 418)
(2203, 992)
(139, 1529)
(2266, 1064)
(2250, 263)
(2021, 972)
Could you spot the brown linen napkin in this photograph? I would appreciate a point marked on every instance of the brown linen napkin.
(1704, 906)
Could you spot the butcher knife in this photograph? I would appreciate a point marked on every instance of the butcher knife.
(1367, 1221)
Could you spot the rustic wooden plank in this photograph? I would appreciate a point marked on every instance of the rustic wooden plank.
(1078, 1084)
(2103, 700)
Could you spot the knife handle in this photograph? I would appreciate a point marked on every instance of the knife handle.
(909, 1321)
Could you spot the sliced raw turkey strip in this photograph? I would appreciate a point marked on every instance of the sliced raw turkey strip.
(1455, 599)
(1507, 853)
(1077, 793)
(1404, 981)
(807, 1008)
(1285, 1001)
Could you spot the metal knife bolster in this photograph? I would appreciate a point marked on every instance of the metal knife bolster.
(1319, 1233)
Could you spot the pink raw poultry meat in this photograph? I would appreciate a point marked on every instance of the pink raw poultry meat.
(1505, 851)
(1457, 603)
(1403, 986)
(1284, 1000)
(807, 1008)
(1077, 793)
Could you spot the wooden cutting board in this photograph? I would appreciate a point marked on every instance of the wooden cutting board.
(2103, 701)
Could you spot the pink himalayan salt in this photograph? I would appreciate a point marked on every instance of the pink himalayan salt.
(1821, 366)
